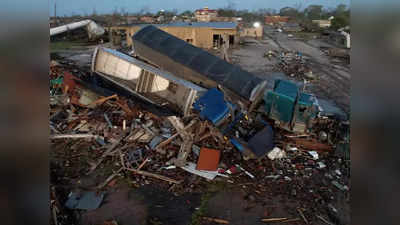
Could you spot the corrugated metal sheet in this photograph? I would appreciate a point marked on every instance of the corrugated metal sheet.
(195, 59)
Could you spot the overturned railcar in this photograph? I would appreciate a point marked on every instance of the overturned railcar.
(145, 81)
(196, 65)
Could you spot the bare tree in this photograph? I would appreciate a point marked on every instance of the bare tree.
(144, 10)
(298, 6)
(123, 11)
(94, 12)
(231, 5)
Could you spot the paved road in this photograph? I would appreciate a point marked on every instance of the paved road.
(334, 83)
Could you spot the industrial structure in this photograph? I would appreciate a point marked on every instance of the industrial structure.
(200, 34)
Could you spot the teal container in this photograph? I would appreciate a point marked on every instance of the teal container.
(280, 103)
(304, 113)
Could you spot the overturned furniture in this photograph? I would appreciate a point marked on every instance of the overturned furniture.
(145, 81)
(196, 65)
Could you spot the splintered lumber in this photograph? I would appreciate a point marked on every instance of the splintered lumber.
(216, 220)
(105, 154)
(187, 137)
(302, 216)
(143, 163)
(280, 220)
(169, 140)
(61, 136)
(274, 220)
(109, 179)
(102, 100)
(291, 220)
(325, 221)
(313, 144)
(148, 174)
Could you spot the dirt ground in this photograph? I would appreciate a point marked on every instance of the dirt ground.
(334, 76)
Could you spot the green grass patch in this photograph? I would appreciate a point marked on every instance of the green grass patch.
(197, 216)
(212, 188)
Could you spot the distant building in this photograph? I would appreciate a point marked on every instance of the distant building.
(200, 34)
(322, 23)
(224, 19)
(292, 27)
(255, 32)
(206, 14)
(131, 19)
(147, 19)
(273, 20)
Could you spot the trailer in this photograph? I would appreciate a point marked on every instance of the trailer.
(145, 81)
(197, 65)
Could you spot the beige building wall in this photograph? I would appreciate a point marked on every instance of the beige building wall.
(201, 37)
(252, 32)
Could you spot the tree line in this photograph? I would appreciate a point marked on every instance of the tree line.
(341, 14)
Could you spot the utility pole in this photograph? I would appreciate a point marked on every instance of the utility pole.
(55, 9)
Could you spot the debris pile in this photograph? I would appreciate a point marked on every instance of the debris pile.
(104, 139)
(294, 64)
(114, 136)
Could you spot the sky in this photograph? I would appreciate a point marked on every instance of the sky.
(108, 6)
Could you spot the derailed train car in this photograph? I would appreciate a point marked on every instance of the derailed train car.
(197, 66)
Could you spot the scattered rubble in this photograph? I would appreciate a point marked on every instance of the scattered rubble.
(294, 64)
(115, 139)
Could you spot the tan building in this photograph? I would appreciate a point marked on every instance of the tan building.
(255, 32)
(271, 20)
(147, 19)
(131, 19)
(202, 35)
(224, 19)
(205, 14)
